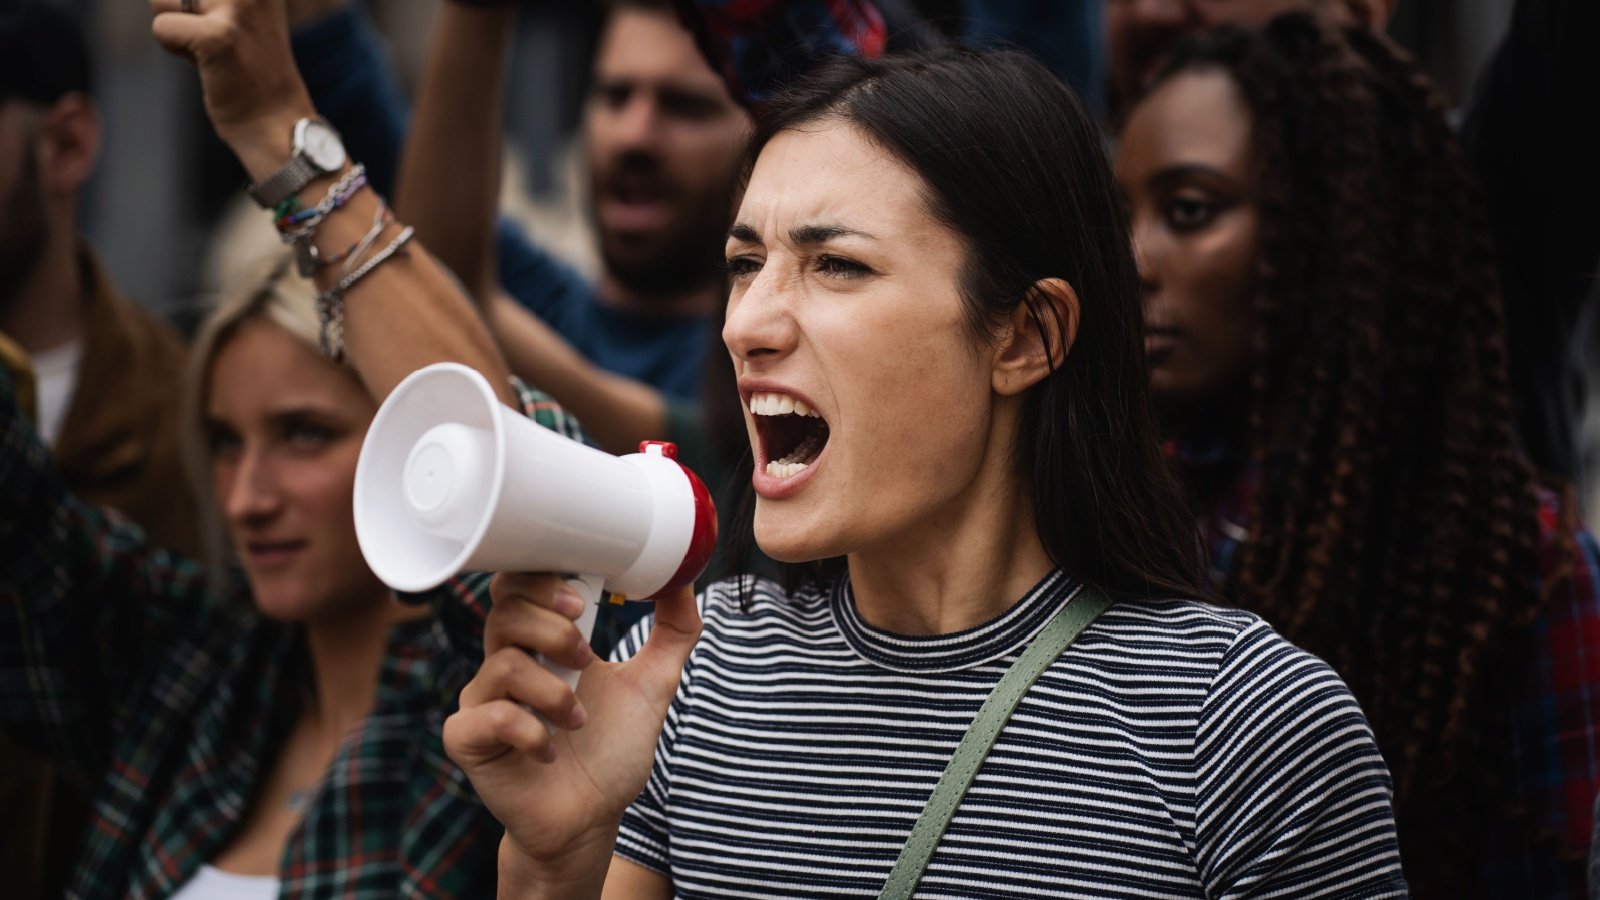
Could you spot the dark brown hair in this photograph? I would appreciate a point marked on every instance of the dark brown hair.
(1397, 537)
(1011, 162)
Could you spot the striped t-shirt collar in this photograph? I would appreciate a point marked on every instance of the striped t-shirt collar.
(1005, 635)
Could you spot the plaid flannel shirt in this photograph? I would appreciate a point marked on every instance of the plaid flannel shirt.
(1553, 752)
(167, 700)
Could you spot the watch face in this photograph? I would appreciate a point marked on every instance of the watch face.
(322, 147)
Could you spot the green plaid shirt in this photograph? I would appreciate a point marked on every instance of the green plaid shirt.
(166, 702)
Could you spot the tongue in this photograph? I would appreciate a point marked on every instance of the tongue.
(807, 451)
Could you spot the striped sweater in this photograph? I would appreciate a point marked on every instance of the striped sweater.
(1175, 750)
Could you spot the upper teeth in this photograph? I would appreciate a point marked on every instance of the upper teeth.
(771, 404)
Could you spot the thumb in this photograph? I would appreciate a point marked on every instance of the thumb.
(179, 33)
(664, 653)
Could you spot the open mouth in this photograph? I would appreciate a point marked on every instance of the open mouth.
(792, 433)
(637, 192)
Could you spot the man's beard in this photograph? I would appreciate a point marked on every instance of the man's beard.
(685, 259)
(683, 256)
(24, 230)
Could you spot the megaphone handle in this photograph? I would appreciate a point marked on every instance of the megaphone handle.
(589, 588)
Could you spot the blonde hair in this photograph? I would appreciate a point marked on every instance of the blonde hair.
(272, 290)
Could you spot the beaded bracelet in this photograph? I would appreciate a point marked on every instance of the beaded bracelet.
(302, 225)
(330, 303)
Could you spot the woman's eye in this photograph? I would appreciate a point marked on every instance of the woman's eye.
(841, 267)
(741, 267)
(221, 443)
(1190, 213)
(306, 436)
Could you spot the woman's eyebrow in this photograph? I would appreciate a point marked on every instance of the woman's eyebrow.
(821, 234)
(1172, 175)
(800, 234)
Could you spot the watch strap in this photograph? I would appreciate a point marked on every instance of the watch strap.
(288, 181)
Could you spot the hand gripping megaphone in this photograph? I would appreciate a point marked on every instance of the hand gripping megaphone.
(450, 480)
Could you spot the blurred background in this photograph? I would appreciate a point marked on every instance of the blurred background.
(166, 190)
(164, 183)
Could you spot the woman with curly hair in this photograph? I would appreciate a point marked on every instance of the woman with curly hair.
(1325, 337)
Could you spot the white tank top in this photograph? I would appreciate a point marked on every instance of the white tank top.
(211, 883)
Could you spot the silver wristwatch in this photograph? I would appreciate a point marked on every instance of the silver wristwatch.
(318, 151)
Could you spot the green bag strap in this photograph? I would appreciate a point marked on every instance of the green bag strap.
(1049, 644)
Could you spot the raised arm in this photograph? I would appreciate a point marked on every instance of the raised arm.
(449, 187)
(406, 312)
(450, 169)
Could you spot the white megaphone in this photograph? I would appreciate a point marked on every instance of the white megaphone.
(451, 480)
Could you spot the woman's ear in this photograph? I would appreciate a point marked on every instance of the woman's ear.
(1042, 330)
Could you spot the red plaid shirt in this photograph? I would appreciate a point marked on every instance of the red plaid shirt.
(1554, 746)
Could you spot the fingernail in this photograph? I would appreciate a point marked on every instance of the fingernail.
(578, 718)
(585, 652)
(569, 604)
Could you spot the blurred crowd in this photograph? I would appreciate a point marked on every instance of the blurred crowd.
(1354, 238)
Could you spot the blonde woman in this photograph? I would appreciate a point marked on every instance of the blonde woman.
(273, 731)
(275, 734)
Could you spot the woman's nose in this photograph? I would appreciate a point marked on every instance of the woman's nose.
(760, 325)
(637, 125)
(1146, 254)
(251, 493)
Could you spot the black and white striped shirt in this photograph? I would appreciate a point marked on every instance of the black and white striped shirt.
(1175, 750)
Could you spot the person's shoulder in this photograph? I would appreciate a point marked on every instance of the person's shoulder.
(754, 593)
(1189, 629)
(1568, 571)
(751, 607)
(1293, 794)
(742, 608)
(1174, 653)
(546, 411)
(1231, 652)
(1567, 550)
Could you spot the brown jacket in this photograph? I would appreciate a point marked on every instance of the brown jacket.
(119, 442)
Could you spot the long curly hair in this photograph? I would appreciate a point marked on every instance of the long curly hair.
(1398, 537)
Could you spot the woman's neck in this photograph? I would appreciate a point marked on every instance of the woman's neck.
(961, 567)
(346, 653)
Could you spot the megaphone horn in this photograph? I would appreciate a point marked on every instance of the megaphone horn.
(452, 480)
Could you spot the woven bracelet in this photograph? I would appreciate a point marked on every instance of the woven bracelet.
(302, 225)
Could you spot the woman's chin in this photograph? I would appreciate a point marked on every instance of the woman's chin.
(292, 604)
(789, 541)
(286, 610)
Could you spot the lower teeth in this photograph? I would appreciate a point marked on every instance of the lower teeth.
(779, 469)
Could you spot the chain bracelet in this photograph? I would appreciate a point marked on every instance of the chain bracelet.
(330, 303)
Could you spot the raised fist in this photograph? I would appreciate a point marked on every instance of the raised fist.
(253, 92)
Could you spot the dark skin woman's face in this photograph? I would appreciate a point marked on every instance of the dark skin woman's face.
(1184, 164)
